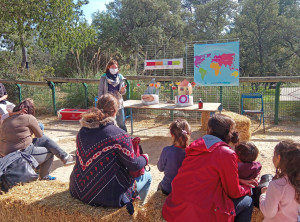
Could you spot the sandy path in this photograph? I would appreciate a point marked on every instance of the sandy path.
(155, 136)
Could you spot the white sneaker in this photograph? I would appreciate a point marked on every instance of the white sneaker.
(69, 160)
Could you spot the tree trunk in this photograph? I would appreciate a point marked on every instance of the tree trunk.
(24, 53)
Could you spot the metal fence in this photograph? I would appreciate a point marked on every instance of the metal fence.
(281, 95)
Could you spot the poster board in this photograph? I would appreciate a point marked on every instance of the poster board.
(216, 64)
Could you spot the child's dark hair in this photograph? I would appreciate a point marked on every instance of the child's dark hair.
(26, 104)
(181, 131)
(221, 126)
(288, 165)
(247, 152)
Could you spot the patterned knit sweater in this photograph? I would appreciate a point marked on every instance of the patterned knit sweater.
(104, 155)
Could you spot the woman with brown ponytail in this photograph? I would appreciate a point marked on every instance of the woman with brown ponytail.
(104, 157)
(207, 186)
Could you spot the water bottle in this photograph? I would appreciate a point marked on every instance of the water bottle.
(200, 104)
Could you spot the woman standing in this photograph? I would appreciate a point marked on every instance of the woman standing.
(207, 187)
(113, 82)
(104, 158)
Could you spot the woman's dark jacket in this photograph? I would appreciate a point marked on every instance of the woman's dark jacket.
(104, 155)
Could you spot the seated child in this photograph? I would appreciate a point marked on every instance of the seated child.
(248, 168)
(172, 156)
(280, 201)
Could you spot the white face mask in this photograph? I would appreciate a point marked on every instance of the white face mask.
(113, 71)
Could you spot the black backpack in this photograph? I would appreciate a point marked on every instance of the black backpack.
(19, 171)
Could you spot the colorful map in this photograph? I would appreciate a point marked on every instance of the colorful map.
(216, 64)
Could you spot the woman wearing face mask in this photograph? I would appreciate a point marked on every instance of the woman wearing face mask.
(113, 82)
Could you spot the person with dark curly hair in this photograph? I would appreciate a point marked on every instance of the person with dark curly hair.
(16, 133)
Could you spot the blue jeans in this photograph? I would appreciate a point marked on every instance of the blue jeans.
(120, 118)
(143, 183)
(243, 208)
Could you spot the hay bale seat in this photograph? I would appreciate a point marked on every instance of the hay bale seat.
(243, 124)
(152, 210)
(51, 201)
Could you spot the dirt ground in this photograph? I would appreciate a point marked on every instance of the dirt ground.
(155, 136)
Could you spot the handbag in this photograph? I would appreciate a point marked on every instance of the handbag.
(137, 148)
(19, 171)
(264, 182)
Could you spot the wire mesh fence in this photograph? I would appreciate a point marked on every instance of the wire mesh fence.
(72, 95)
(283, 103)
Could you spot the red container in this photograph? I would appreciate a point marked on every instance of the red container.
(200, 104)
(70, 114)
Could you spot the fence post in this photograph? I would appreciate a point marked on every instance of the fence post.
(171, 98)
(128, 111)
(221, 94)
(52, 87)
(127, 89)
(277, 95)
(86, 94)
(20, 92)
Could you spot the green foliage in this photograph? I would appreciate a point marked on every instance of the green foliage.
(211, 19)
(266, 38)
(130, 24)
(51, 22)
(56, 41)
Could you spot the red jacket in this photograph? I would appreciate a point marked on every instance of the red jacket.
(205, 184)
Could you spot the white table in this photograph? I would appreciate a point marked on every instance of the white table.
(208, 108)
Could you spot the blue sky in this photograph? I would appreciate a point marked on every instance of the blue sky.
(94, 6)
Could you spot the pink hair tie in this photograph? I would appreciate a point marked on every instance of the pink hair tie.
(184, 132)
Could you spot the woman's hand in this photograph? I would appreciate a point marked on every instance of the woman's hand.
(22, 111)
(250, 183)
(123, 90)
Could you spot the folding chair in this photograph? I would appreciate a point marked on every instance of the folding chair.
(252, 103)
(96, 100)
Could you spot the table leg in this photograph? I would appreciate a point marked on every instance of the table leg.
(131, 121)
(204, 120)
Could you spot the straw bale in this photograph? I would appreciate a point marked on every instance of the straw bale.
(51, 201)
(243, 124)
(152, 210)
(257, 215)
(204, 120)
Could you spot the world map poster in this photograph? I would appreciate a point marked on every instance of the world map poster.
(216, 64)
